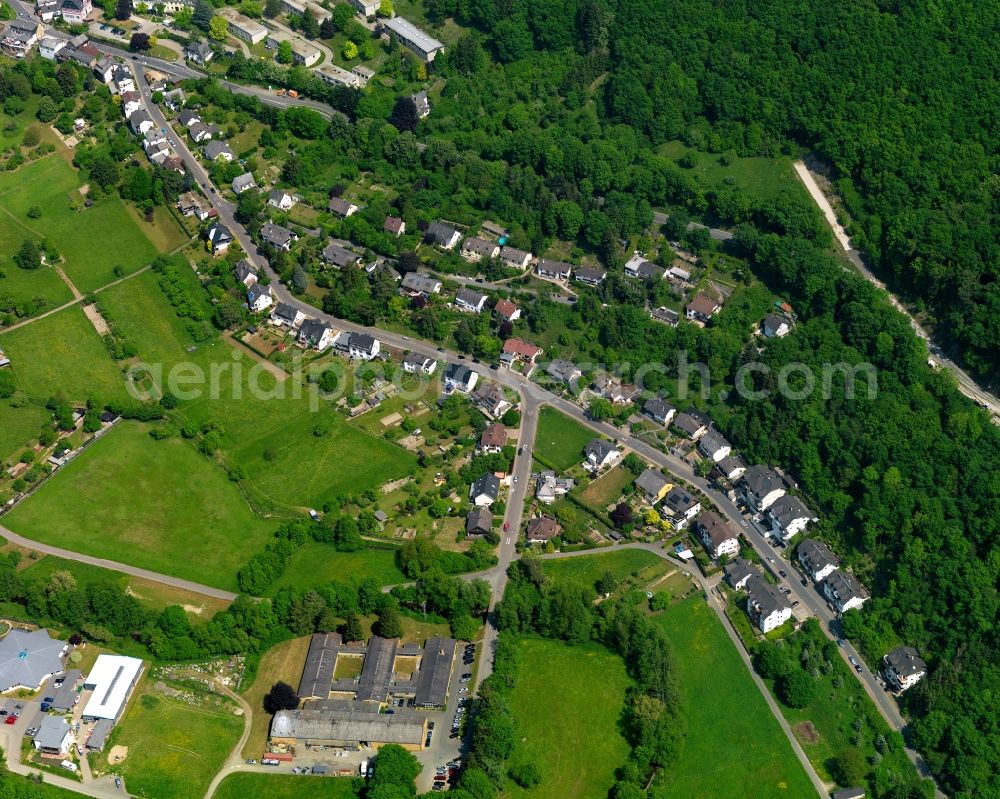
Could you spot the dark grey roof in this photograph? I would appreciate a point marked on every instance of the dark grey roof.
(317, 673)
(513, 255)
(850, 793)
(554, 267)
(66, 695)
(732, 463)
(256, 291)
(244, 269)
(712, 442)
(216, 148)
(765, 597)
(285, 312)
(377, 670)
(598, 449)
(99, 736)
(905, 661)
(487, 484)
(680, 499)
(687, 423)
(479, 246)
(218, 233)
(187, 117)
(339, 256)
(51, 732)
(590, 274)
(362, 341)
(563, 370)
(200, 49)
(845, 587)
(312, 330)
(816, 555)
(739, 570)
(340, 206)
(416, 359)
(715, 529)
(657, 408)
(458, 373)
(440, 233)
(417, 282)
(787, 509)
(276, 234)
(435, 669)
(470, 297)
(761, 480)
(478, 520)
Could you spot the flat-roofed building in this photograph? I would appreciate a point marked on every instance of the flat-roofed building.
(413, 38)
(242, 27)
(435, 672)
(348, 724)
(317, 673)
(302, 52)
(112, 680)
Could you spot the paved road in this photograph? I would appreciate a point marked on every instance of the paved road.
(966, 384)
(661, 218)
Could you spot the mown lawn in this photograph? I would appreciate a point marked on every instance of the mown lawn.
(587, 569)
(62, 355)
(18, 426)
(160, 505)
(606, 489)
(281, 663)
(560, 440)
(93, 241)
(315, 564)
(734, 745)
(174, 748)
(24, 286)
(240, 786)
(568, 702)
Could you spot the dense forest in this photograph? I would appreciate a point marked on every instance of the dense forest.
(897, 97)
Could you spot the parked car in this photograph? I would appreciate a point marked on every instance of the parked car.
(782, 572)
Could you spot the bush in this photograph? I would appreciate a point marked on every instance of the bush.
(797, 689)
(526, 775)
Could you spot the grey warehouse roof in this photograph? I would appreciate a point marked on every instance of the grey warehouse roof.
(27, 658)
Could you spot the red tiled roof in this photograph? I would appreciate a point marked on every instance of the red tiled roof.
(515, 346)
(505, 308)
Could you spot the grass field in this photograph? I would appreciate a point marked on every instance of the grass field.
(240, 786)
(18, 426)
(567, 702)
(295, 452)
(606, 489)
(24, 286)
(586, 569)
(156, 504)
(62, 354)
(175, 748)
(315, 564)
(81, 235)
(560, 440)
(281, 663)
(761, 177)
(734, 745)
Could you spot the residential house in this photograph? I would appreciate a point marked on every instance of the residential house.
(514, 349)
(659, 410)
(732, 467)
(49, 47)
(75, 12)
(20, 36)
(279, 237)
(478, 523)
(190, 203)
(84, 54)
(200, 132)
(485, 490)
(677, 274)
(259, 298)
(612, 389)
(366, 8)
(653, 485)
(104, 69)
(442, 235)
(600, 453)
(341, 207)
(903, 668)
(132, 102)
(682, 505)
(844, 591)
(591, 275)
(713, 446)
(415, 284)
(515, 258)
(767, 607)
(47, 10)
(475, 249)
(691, 427)
(702, 308)
(333, 75)
(284, 314)
(246, 272)
(664, 315)
(564, 371)
(122, 79)
(775, 326)
(198, 52)
(639, 267)
(459, 377)
(394, 226)
(718, 537)
(173, 99)
(151, 140)
(316, 334)
(187, 118)
(493, 439)
(506, 310)
(817, 559)
(761, 486)
(340, 257)
(421, 104)
(243, 183)
(53, 735)
(548, 487)
(410, 36)
(490, 399)
(219, 237)
(468, 300)
(789, 516)
(363, 347)
(738, 571)
(541, 530)
(553, 270)
(415, 362)
(140, 122)
(215, 150)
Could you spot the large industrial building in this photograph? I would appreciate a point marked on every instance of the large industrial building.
(111, 679)
(412, 38)
(342, 723)
(28, 659)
